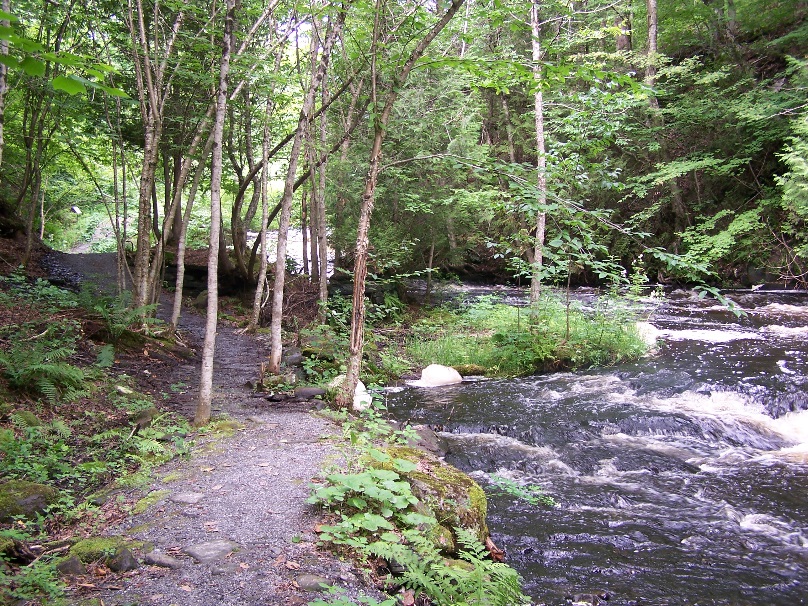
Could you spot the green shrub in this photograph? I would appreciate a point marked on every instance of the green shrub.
(506, 340)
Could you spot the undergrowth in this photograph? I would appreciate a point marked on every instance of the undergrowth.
(376, 515)
(67, 421)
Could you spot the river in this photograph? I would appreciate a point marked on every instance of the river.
(680, 479)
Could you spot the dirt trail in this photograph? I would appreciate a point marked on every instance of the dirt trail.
(230, 526)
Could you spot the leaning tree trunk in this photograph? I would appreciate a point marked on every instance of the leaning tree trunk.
(203, 407)
(346, 393)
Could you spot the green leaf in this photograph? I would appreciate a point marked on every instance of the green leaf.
(25, 45)
(111, 90)
(69, 84)
(32, 66)
(357, 502)
(404, 465)
(370, 521)
(389, 537)
(378, 455)
(9, 60)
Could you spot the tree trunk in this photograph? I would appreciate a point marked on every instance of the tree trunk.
(310, 243)
(541, 158)
(304, 205)
(149, 78)
(623, 22)
(346, 393)
(317, 76)
(262, 272)
(203, 407)
(345, 146)
(182, 236)
(650, 68)
(322, 236)
(5, 5)
(506, 114)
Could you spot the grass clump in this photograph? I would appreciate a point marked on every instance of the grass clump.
(506, 340)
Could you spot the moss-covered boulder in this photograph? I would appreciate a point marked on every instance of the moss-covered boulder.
(445, 493)
(105, 549)
(26, 499)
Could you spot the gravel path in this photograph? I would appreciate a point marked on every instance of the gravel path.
(230, 525)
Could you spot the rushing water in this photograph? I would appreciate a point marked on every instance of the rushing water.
(681, 479)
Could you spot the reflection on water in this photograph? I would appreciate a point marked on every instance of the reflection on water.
(680, 479)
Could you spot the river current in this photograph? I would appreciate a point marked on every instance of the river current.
(680, 479)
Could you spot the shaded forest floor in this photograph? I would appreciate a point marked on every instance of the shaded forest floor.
(240, 494)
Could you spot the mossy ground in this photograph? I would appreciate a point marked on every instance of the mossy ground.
(96, 549)
(150, 499)
(454, 498)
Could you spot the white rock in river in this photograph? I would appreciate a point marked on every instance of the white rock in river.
(648, 333)
(436, 375)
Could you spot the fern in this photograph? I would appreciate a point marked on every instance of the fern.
(117, 314)
(37, 364)
(474, 581)
(60, 428)
(106, 356)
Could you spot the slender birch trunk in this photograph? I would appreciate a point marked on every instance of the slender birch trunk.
(541, 158)
(262, 272)
(317, 76)
(5, 5)
(203, 407)
(176, 309)
(322, 235)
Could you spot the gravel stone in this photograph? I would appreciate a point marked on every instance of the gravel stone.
(189, 498)
(155, 558)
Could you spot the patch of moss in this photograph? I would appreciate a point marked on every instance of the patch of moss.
(172, 476)
(22, 498)
(94, 549)
(468, 370)
(149, 500)
(6, 544)
(454, 498)
(27, 418)
(225, 427)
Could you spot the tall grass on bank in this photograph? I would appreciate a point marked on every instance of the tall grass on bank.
(504, 340)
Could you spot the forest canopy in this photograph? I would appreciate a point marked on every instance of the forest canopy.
(687, 134)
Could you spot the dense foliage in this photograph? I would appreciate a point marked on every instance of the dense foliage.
(708, 163)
